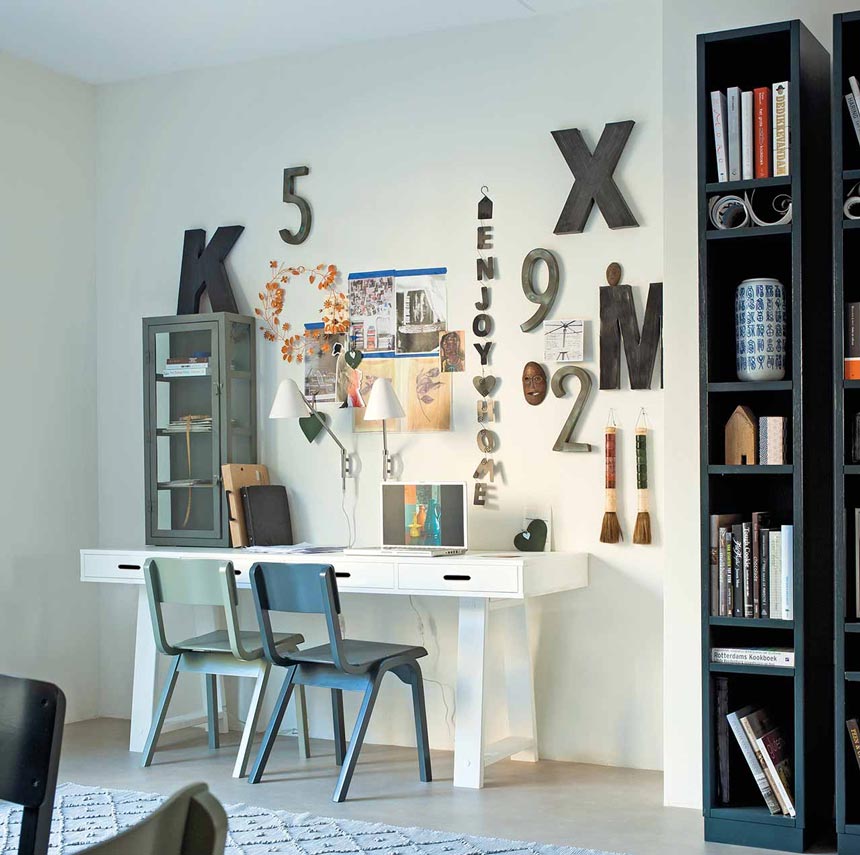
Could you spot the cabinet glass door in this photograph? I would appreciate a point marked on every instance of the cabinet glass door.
(184, 468)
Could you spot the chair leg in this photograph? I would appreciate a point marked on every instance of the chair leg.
(357, 738)
(272, 730)
(420, 713)
(161, 711)
(302, 723)
(337, 722)
(212, 708)
(241, 766)
(35, 829)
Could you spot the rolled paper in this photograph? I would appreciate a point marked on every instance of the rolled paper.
(781, 204)
(728, 212)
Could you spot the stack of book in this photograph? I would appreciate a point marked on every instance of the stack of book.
(751, 132)
(187, 366)
(767, 754)
(752, 567)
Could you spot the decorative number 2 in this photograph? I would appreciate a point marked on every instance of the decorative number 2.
(301, 235)
(544, 299)
(564, 443)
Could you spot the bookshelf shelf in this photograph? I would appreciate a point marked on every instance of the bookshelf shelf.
(797, 254)
(747, 184)
(846, 486)
(753, 623)
(748, 232)
(774, 469)
(751, 386)
(760, 670)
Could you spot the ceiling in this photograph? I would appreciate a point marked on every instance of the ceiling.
(102, 41)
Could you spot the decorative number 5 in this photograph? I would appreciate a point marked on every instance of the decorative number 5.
(544, 299)
(290, 197)
(563, 443)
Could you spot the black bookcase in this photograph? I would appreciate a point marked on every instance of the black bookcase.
(846, 491)
(799, 492)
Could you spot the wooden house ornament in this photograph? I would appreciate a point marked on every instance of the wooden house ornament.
(741, 438)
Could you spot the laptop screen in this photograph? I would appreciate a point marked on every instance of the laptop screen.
(427, 514)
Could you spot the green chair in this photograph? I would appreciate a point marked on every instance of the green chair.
(230, 652)
(191, 822)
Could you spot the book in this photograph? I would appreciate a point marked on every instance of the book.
(781, 129)
(761, 135)
(777, 657)
(772, 440)
(721, 701)
(775, 550)
(750, 757)
(738, 569)
(853, 113)
(855, 89)
(760, 520)
(733, 116)
(718, 117)
(756, 724)
(746, 135)
(787, 572)
(764, 564)
(729, 579)
(852, 341)
(719, 598)
(749, 596)
(775, 751)
(267, 515)
(188, 360)
(854, 736)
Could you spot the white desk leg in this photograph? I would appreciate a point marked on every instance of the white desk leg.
(145, 661)
(519, 678)
(469, 733)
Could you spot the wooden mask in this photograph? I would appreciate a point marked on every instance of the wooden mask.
(534, 383)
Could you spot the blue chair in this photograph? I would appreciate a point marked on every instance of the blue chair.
(342, 664)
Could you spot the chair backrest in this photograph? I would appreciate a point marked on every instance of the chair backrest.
(190, 822)
(32, 714)
(192, 582)
(302, 588)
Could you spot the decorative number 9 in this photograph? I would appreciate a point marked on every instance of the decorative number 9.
(563, 443)
(544, 299)
(290, 197)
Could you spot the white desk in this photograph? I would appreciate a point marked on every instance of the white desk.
(483, 583)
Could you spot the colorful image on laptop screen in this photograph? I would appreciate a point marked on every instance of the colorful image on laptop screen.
(423, 515)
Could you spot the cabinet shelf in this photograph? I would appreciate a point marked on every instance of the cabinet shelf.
(774, 469)
(743, 387)
(748, 184)
(747, 232)
(760, 670)
(756, 623)
(183, 484)
(753, 813)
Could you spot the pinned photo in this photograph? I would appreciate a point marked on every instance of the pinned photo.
(452, 350)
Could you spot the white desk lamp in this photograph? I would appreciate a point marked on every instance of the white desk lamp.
(290, 403)
(382, 404)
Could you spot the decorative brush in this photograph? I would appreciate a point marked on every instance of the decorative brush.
(642, 531)
(610, 531)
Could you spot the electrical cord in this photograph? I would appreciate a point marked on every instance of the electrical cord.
(450, 711)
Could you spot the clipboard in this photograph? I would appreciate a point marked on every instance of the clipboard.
(235, 476)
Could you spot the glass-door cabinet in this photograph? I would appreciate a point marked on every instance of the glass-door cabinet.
(199, 413)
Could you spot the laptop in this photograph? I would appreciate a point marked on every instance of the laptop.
(421, 518)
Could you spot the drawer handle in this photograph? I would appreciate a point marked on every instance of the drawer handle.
(237, 572)
(456, 577)
(128, 566)
(343, 575)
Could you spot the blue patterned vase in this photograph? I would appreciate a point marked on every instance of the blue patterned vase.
(760, 328)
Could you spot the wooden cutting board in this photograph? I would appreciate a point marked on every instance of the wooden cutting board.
(236, 476)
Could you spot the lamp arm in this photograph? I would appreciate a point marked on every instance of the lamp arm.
(322, 421)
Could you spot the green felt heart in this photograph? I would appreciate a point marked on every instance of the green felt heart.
(311, 426)
(353, 358)
(485, 384)
(533, 539)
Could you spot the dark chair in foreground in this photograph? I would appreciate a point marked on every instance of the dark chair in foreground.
(190, 822)
(340, 664)
(31, 732)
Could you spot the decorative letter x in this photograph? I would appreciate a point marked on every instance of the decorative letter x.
(593, 178)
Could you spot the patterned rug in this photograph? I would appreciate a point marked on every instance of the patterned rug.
(86, 815)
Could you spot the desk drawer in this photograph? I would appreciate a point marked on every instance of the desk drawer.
(358, 574)
(446, 576)
(111, 566)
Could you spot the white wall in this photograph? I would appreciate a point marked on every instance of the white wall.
(682, 20)
(400, 136)
(48, 620)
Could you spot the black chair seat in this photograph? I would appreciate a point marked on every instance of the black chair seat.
(359, 654)
(219, 642)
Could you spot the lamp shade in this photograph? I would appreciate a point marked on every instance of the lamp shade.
(382, 402)
(288, 403)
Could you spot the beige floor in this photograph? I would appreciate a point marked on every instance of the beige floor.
(618, 810)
